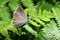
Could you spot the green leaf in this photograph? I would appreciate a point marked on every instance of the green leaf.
(56, 12)
(14, 4)
(4, 13)
(30, 30)
(45, 15)
(50, 30)
(28, 3)
(3, 2)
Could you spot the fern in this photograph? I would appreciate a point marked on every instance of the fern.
(36, 18)
(43, 5)
(50, 31)
(3, 2)
(13, 4)
(30, 30)
(45, 15)
(4, 14)
(5, 26)
(6, 22)
(28, 3)
(42, 17)
(56, 12)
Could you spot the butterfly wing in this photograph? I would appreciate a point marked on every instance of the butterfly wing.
(20, 17)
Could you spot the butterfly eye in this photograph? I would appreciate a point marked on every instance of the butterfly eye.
(20, 18)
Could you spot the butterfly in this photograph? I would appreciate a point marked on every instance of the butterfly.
(20, 18)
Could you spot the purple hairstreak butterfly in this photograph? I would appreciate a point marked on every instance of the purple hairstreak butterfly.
(20, 18)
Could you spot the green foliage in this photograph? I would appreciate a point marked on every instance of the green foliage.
(5, 26)
(27, 3)
(6, 23)
(38, 16)
(4, 14)
(3, 2)
(29, 29)
(50, 30)
(43, 19)
(56, 12)
(13, 4)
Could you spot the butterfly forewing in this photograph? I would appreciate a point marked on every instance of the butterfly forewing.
(19, 17)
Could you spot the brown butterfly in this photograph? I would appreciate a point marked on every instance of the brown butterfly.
(20, 18)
